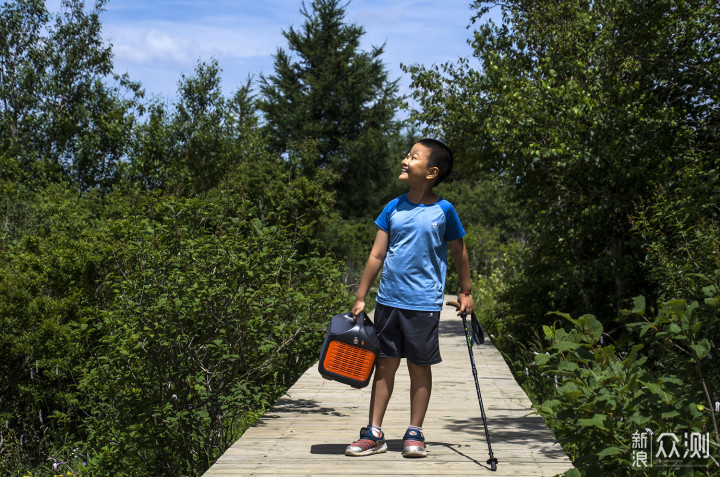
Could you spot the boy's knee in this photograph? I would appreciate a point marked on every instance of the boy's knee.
(387, 364)
(419, 369)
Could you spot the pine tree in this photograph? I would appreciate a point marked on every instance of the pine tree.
(325, 89)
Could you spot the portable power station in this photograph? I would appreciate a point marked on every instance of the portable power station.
(349, 350)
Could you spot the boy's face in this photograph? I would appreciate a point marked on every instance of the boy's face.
(415, 167)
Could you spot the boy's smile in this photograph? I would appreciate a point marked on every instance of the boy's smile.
(415, 167)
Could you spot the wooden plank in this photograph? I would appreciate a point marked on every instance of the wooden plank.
(306, 431)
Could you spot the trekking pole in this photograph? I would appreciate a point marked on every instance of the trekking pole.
(492, 461)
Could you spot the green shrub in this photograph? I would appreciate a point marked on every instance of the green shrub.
(141, 334)
(48, 266)
(604, 395)
(208, 319)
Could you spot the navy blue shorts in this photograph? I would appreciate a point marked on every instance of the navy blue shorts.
(408, 334)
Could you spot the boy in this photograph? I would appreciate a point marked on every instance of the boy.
(414, 231)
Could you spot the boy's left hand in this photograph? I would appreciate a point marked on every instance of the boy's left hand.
(466, 304)
(358, 308)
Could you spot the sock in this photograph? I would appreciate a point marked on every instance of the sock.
(376, 430)
(416, 428)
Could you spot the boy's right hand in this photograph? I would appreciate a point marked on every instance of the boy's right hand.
(358, 308)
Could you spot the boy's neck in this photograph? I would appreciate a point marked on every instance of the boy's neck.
(422, 195)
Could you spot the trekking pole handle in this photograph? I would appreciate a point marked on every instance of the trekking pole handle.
(456, 305)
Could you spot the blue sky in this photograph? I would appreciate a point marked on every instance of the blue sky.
(156, 41)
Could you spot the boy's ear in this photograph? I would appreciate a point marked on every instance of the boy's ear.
(432, 172)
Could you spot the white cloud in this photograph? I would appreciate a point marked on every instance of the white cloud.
(183, 43)
(152, 46)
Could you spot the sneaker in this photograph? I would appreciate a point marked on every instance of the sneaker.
(368, 444)
(414, 444)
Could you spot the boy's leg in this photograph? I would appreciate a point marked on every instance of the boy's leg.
(422, 345)
(420, 389)
(372, 439)
(382, 389)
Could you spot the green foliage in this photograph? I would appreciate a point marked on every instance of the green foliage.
(604, 395)
(275, 190)
(190, 148)
(21, 25)
(326, 89)
(63, 113)
(352, 240)
(152, 165)
(580, 107)
(141, 332)
(208, 318)
(492, 220)
(49, 261)
(681, 236)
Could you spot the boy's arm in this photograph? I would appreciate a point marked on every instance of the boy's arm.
(462, 266)
(373, 266)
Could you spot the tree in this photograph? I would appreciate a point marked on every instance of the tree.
(199, 126)
(63, 109)
(190, 146)
(50, 261)
(581, 107)
(327, 90)
(21, 30)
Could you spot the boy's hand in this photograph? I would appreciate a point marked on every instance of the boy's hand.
(358, 308)
(466, 304)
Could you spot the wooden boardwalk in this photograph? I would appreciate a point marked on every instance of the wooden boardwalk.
(305, 433)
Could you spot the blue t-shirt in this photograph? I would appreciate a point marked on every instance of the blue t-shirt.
(413, 274)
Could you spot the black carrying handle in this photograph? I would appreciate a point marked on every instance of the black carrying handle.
(360, 318)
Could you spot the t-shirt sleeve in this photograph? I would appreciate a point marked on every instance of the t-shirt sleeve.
(383, 220)
(453, 228)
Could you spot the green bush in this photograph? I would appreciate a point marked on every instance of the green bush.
(604, 395)
(49, 261)
(141, 334)
(208, 319)
(680, 228)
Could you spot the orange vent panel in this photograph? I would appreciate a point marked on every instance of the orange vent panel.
(348, 361)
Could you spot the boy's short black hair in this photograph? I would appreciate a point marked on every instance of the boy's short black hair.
(440, 156)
